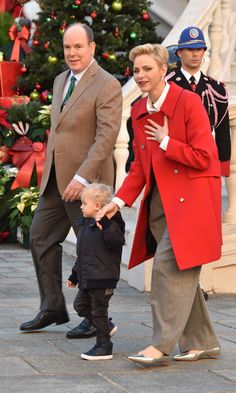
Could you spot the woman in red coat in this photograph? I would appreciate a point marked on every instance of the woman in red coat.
(176, 163)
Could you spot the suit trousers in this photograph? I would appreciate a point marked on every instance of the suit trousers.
(52, 221)
(179, 309)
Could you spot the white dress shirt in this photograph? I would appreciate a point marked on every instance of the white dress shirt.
(187, 75)
(77, 77)
(156, 107)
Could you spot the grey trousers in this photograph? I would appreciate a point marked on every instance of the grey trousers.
(52, 221)
(179, 309)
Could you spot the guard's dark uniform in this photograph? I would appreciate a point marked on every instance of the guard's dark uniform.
(215, 100)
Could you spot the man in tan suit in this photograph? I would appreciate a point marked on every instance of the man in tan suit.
(85, 121)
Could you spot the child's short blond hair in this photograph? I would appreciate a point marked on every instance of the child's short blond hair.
(101, 193)
(159, 52)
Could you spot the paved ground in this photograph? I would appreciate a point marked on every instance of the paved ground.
(46, 361)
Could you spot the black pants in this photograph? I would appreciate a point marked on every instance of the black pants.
(93, 304)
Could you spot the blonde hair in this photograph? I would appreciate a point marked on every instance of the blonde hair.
(159, 52)
(101, 193)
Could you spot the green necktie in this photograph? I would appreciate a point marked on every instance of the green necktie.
(69, 91)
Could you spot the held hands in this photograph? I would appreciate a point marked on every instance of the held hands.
(72, 191)
(99, 225)
(70, 284)
(109, 210)
(156, 132)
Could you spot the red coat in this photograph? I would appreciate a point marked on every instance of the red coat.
(188, 178)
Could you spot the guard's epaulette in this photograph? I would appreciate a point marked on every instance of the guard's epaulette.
(170, 75)
(216, 81)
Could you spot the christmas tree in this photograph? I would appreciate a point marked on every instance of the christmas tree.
(118, 26)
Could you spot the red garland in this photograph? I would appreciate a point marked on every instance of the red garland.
(25, 155)
(7, 102)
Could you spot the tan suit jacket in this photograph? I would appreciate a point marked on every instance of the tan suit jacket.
(83, 135)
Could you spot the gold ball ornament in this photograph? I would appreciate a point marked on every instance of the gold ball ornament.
(117, 5)
(63, 27)
(34, 96)
(52, 59)
(112, 57)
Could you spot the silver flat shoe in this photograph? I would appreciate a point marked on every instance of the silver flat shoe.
(204, 354)
(142, 359)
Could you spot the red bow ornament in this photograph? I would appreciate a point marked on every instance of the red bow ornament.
(26, 155)
(3, 116)
(20, 39)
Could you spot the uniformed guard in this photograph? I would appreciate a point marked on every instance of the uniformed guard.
(190, 51)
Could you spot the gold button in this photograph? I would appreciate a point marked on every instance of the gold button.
(142, 147)
(181, 199)
(176, 171)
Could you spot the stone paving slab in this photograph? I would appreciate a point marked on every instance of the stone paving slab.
(162, 380)
(15, 366)
(17, 347)
(230, 375)
(63, 384)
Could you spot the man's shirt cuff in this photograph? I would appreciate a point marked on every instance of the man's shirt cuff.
(81, 180)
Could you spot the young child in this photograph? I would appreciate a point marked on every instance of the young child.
(97, 268)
